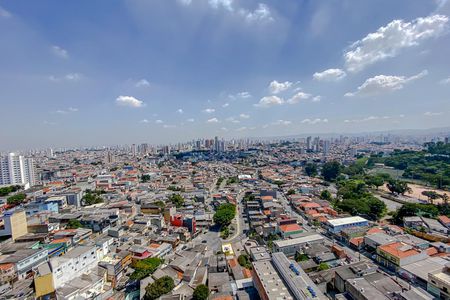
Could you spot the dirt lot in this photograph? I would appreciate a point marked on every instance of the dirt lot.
(417, 192)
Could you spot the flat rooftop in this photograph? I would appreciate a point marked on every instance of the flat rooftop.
(345, 221)
(300, 240)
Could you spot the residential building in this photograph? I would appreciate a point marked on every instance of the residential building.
(14, 224)
(16, 169)
(336, 225)
(290, 246)
(398, 254)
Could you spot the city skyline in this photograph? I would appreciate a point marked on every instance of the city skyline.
(135, 71)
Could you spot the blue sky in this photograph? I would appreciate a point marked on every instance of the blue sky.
(101, 72)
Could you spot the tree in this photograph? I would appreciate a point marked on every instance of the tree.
(91, 198)
(375, 180)
(398, 187)
(300, 257)
(291, 192)
(5, 191)
(331, 170)
(244, 261)
(415, 209)
(432, 195)
(201, 292)
(225, 213)
(145, 178)
(323, 266)
(326, 195)
(145, 267)
(74, 223)
(177, 199)
(16, 199)
(158, 288)
(311, 169)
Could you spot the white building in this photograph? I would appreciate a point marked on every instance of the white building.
(73, 264)
(16, 169)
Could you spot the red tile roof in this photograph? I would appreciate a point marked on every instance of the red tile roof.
(290, 227)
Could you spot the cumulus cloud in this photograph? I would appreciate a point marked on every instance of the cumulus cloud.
(384, 83)
(4, 13)
(159, 121)
(129, 101)
(66, 111)
(282, 122)
(432, 114)
(389, 40)
(276, 87)
(60, 52)
(232, 120)
(209, 110)
(68, 77)
(269, 101)
(260, 14)
(225, 105)
(445, 81)
(180, 111)
(314, 121)
(244, 116)
(144, 121)
(216, 4)
(317, 99)
(142, 83)
(330, 75)
(213, 120)
(298, 97)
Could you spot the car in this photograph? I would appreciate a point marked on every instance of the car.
(204, 242)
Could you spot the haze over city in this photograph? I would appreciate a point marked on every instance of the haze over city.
(115, 72)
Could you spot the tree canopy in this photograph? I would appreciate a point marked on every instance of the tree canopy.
(225, 213)
(331, 170)
(176, 199)
(311, 169)
(5, 191)
(201, 292)
(92, 197)
(16, 199)
(145, 267)
(158, 288)
(397, 187)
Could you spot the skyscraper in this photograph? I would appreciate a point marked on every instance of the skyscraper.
(16, 169)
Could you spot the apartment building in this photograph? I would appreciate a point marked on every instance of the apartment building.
(16, 169)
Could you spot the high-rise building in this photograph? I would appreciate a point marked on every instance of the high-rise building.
(308, 143)
(326, 147)
(16, 169)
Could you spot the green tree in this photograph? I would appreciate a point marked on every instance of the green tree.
(73, 224)
(91, 198)
(5, 191)
(16, 199)
(331, 170)
(300, 257)
(244, 261)
(145, 178)
(225, 213)
(375, 180)
(398, 187)
(415, 209)
(311, 169)
(145, 267)
(291, 192)
(201, 292)
(176, 199)
(326, 195)
(432, 195)
(158, 288)
(323, 266)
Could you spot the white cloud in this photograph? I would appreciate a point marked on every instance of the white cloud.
(209, 110)
(68, 77)
(317, 99)
(232, 120)
(445, 81)
(64, 111)
(371, 118)
(432, 114)
(144, 121)
(384, 83)
(4, 13)
(227, 4)
(282, 122)
(225, 105)
(269, 101)
(298, 97)
(61, 112)
(244, 116)
(129, 101)
(180, 111)
(241, 128)
(213, 120)
(190, 120)
(260, 14)
(185, 2)
(330, 75)
(73, 109)
(224, 129)
(159, 121)
(49, 123)
(60, 52)
(389, 40)
(276, 87)
(244, 95)
(314, 121)
(169, 126)
(142, 83)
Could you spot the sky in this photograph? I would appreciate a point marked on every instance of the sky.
(102, 72)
